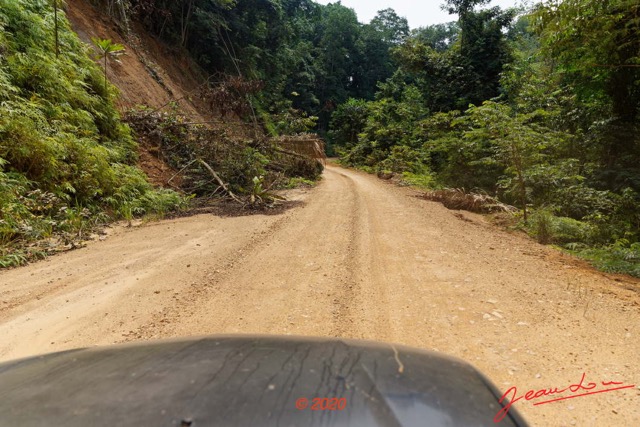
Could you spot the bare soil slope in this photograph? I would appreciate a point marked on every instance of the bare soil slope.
(149, 73)
(360, 259)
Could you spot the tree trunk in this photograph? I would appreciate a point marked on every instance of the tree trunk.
(517, 163)
(186, 18)
(55, 26)
(125, 18)
(106, 93)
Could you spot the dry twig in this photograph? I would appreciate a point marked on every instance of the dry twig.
(222, 184)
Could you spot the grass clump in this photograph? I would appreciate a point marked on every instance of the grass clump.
(622, 257)
(298, 182)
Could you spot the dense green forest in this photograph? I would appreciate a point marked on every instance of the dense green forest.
(537, 108)
(310, 58)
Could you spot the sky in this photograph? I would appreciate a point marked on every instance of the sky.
(419, 13)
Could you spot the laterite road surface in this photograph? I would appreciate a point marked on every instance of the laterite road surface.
(360, 258)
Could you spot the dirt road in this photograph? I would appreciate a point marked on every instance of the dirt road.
(360, 259)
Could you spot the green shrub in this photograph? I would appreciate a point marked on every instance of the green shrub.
(579, 200)
(403, 159)
(548, 228)
(568, 230)
(424, 180)
(299, 182)
(542, 226)
(308, 169)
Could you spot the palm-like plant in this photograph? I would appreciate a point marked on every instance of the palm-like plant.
(107, 50)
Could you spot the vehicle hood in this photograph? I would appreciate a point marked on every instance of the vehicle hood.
(247, 381)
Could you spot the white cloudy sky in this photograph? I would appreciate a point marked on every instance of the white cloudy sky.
(419, 13)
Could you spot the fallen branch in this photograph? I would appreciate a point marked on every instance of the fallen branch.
(291, 153)
(180, 171)
(459, 199)
(222, 184)
(299, 156)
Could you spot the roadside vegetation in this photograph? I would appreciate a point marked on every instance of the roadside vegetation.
(67, 163)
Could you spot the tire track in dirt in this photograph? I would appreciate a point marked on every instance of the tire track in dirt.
(203, 286)
(307, 268)
(366, 272)
(344, 319)
(8, 303)
(100, 293)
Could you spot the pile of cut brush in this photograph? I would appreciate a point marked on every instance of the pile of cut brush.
(459, 199)
(307, 145)
(212, 162)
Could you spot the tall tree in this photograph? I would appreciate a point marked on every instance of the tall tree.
(439, 37)
(596, 45)
(462, 7)
(186, 10)
(482, 49)
(393, 28)
(338, 43)
(373, 61)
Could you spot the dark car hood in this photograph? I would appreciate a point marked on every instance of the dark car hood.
(246, 381)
